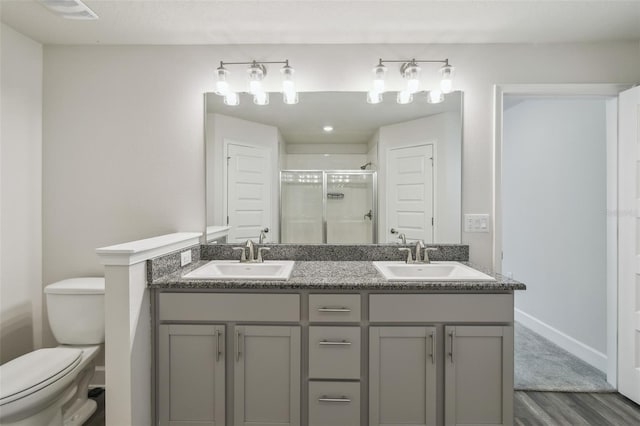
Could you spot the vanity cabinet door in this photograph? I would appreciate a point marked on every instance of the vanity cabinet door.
(191, 375)
(402, 376)
(478, 375)
(267, 376)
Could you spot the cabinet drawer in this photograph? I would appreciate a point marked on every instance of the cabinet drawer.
(334, 307)
(441, 308)
(229, 307)
(334, 352)
(334, 403)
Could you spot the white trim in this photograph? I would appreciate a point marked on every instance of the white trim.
(586, 353)
(215, 232)
(138, 251)
(612, 239)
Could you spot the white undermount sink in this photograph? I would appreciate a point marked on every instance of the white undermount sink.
(434, 271)
(277, 270)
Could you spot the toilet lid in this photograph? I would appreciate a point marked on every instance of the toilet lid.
(84, 285)
(33, 371)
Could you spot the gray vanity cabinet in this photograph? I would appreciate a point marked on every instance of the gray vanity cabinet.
(402, 376)
(267, 375)
(188, 395)
(479, 375)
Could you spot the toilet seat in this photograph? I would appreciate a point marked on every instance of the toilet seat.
(35, 371)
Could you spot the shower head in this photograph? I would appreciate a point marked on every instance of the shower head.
(364, 167)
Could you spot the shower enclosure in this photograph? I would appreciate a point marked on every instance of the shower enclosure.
(328, 206)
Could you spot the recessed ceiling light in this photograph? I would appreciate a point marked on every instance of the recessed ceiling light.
(328, 129)
(70, 9)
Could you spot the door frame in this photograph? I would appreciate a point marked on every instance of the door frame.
(274, 207)
(612, 90)
(434, 186)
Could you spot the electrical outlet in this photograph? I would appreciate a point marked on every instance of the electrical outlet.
(185, 258)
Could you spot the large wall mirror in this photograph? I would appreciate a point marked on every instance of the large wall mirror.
(334, 169)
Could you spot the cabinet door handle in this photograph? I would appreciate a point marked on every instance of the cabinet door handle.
(238, 342)
(334, 343)
(218, 348)
(452, 335)
(327, 309)
(330, 399)
(433, 347)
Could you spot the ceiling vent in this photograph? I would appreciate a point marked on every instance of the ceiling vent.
(70, 9)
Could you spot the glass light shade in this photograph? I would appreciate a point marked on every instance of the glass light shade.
(231, 99)
(374, 97)
(435, 96)
(256, 74)
(446, 83)
(261, 98)
(378, 81)
(290, 98)
(412, 75)
(289, 93)
(222, 85)
(404, 97)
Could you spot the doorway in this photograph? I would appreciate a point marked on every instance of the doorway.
(555, 180)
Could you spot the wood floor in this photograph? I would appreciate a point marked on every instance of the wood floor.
(573, 409)
(538, 408)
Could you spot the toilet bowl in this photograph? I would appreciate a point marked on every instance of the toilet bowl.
(49, 387)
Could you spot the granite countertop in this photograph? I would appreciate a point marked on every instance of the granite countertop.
(335, 275)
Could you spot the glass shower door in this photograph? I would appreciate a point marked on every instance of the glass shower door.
(301, 207)
(350, 207)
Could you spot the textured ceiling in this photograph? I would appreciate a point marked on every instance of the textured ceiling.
(392, 21)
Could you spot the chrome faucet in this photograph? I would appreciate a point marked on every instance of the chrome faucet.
(252, 258)
(403, 238)
(419, 247)
(409, 257)
(263, 235)
(426, 254)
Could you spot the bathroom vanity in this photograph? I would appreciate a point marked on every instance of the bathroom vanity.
(335, 344)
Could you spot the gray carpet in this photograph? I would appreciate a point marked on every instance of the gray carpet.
(543, 366)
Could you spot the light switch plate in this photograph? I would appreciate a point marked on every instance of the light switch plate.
(185, 258)
(476, 223)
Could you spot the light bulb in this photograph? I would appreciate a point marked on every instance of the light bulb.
(446, 83)
(378, 81)
(261, 98)
(289, 93)
(405, 97)
(374, 97)
(231, 99)
(435, 96)
(222, 85)
(255, 87)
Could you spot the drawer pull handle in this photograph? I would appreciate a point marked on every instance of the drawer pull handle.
(218, 346)
(329, 399)
(334, 343)
(326, 309)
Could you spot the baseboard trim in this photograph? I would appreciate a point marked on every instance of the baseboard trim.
(586, 353)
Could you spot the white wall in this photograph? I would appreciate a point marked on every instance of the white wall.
(443, 131)
(555, 213)
(123, 140)
(325, 161)
(223, 129)
(20, 195)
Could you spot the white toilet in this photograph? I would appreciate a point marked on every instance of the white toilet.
(48, 387)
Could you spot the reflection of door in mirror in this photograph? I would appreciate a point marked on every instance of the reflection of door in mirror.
(410, 193)
(248, 191)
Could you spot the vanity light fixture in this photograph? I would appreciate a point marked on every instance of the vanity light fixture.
(256, 73)
(410, 71)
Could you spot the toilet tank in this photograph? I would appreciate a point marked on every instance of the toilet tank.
(76, 310)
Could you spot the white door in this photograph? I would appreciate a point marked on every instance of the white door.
(628, 244)
(248, 191)
(410, 193)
